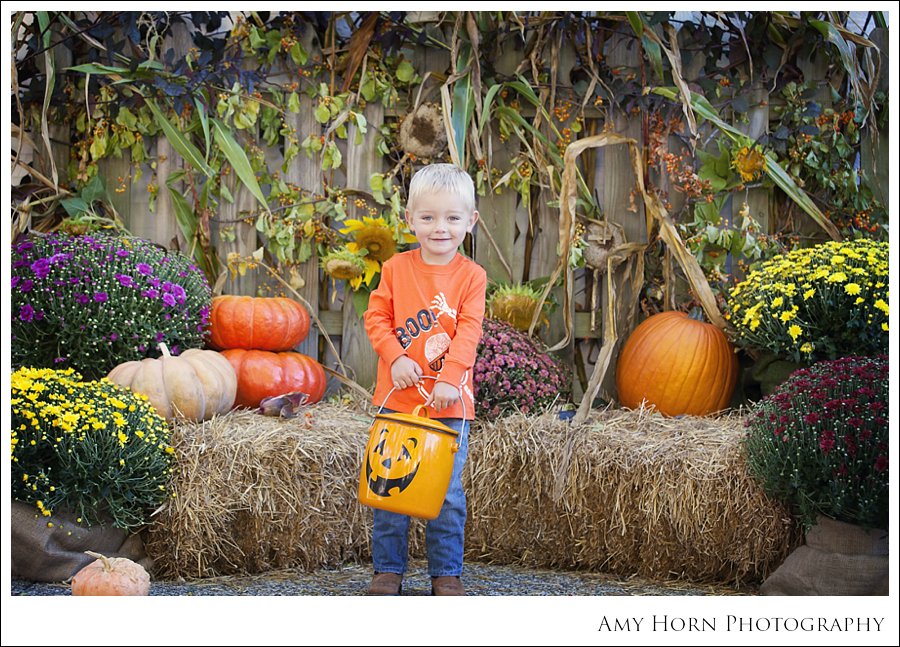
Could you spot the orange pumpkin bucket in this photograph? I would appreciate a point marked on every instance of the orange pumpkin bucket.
(408, 463)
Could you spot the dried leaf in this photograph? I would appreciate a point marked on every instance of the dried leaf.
(654, 212)
(44, 22)
(359, 46)
(287, 405)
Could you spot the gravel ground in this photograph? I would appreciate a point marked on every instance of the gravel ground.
(479, 579)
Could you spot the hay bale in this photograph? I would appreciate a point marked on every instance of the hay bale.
(629, 493)
(255, 493)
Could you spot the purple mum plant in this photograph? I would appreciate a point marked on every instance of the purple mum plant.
(91, 302)
(513, 374)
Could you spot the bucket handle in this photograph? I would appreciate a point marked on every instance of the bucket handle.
(420, 408)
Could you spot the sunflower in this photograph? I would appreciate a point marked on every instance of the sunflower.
(343, 264)
(373, 267)
(749, 162)
(373, 234)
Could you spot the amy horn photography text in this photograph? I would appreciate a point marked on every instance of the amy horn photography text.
(740, 623)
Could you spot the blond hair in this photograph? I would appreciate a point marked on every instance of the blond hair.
(442, 177)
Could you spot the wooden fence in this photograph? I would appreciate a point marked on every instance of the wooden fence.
(525, 237)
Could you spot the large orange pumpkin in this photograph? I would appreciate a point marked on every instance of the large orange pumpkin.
(259, 323)
(262, 374)
(677, 363)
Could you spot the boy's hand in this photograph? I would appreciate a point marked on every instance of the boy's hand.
(405, 372)
(443, 396)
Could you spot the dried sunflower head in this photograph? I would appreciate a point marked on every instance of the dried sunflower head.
(514, 304)
(422, 132)
(342, 264)
(749, 163)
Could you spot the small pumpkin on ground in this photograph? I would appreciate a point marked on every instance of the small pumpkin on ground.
(111, 576)
(195, 385)
(677, 363)
(257, 323)
(263, 374)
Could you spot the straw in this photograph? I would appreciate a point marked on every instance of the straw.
(629, 493)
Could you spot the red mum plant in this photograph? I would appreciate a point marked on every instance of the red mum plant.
(819, 442)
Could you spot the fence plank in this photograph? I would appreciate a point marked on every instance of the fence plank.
(59, 132)
(160, 226)
(362, 162)
(498, 210)
(231, 234)
(615, 178)
(874, 149)
(545, 246)
(229, 231)
(305, 173)
(815, 70)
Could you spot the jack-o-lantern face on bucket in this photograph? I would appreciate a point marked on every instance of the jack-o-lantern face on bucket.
(392, 464)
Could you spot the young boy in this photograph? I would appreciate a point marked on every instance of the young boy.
(424, 319)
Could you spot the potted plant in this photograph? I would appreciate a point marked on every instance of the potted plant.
(821, 302)
(513, 374)
(90, 462)
(819, 442)
(92, 302)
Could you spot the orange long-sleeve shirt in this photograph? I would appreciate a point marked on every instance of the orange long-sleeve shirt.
(433, 314)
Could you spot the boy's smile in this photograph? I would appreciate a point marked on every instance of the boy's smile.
(440, 220)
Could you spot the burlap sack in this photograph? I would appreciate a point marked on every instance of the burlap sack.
(43, 554)
(837, 559)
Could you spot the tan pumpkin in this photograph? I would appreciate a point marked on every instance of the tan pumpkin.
(677, 363)
(111, 576)
(195, 385)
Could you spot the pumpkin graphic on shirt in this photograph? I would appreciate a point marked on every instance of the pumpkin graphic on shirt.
(435, 349)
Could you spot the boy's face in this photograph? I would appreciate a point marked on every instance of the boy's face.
(440, 221)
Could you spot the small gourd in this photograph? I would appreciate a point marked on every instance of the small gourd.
(111, 576)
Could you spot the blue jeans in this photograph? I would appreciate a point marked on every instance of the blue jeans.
(443, 536)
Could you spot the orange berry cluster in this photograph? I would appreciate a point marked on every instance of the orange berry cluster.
(562, 110)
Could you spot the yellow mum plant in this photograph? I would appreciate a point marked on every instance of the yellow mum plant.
(95, 449)
(817, 303)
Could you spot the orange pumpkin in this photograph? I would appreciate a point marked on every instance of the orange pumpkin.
(259, 323)
(111, 576)
(677, 363)
(262, 374)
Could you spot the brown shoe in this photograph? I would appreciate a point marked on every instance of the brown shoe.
(386, 584)
(447, 585)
